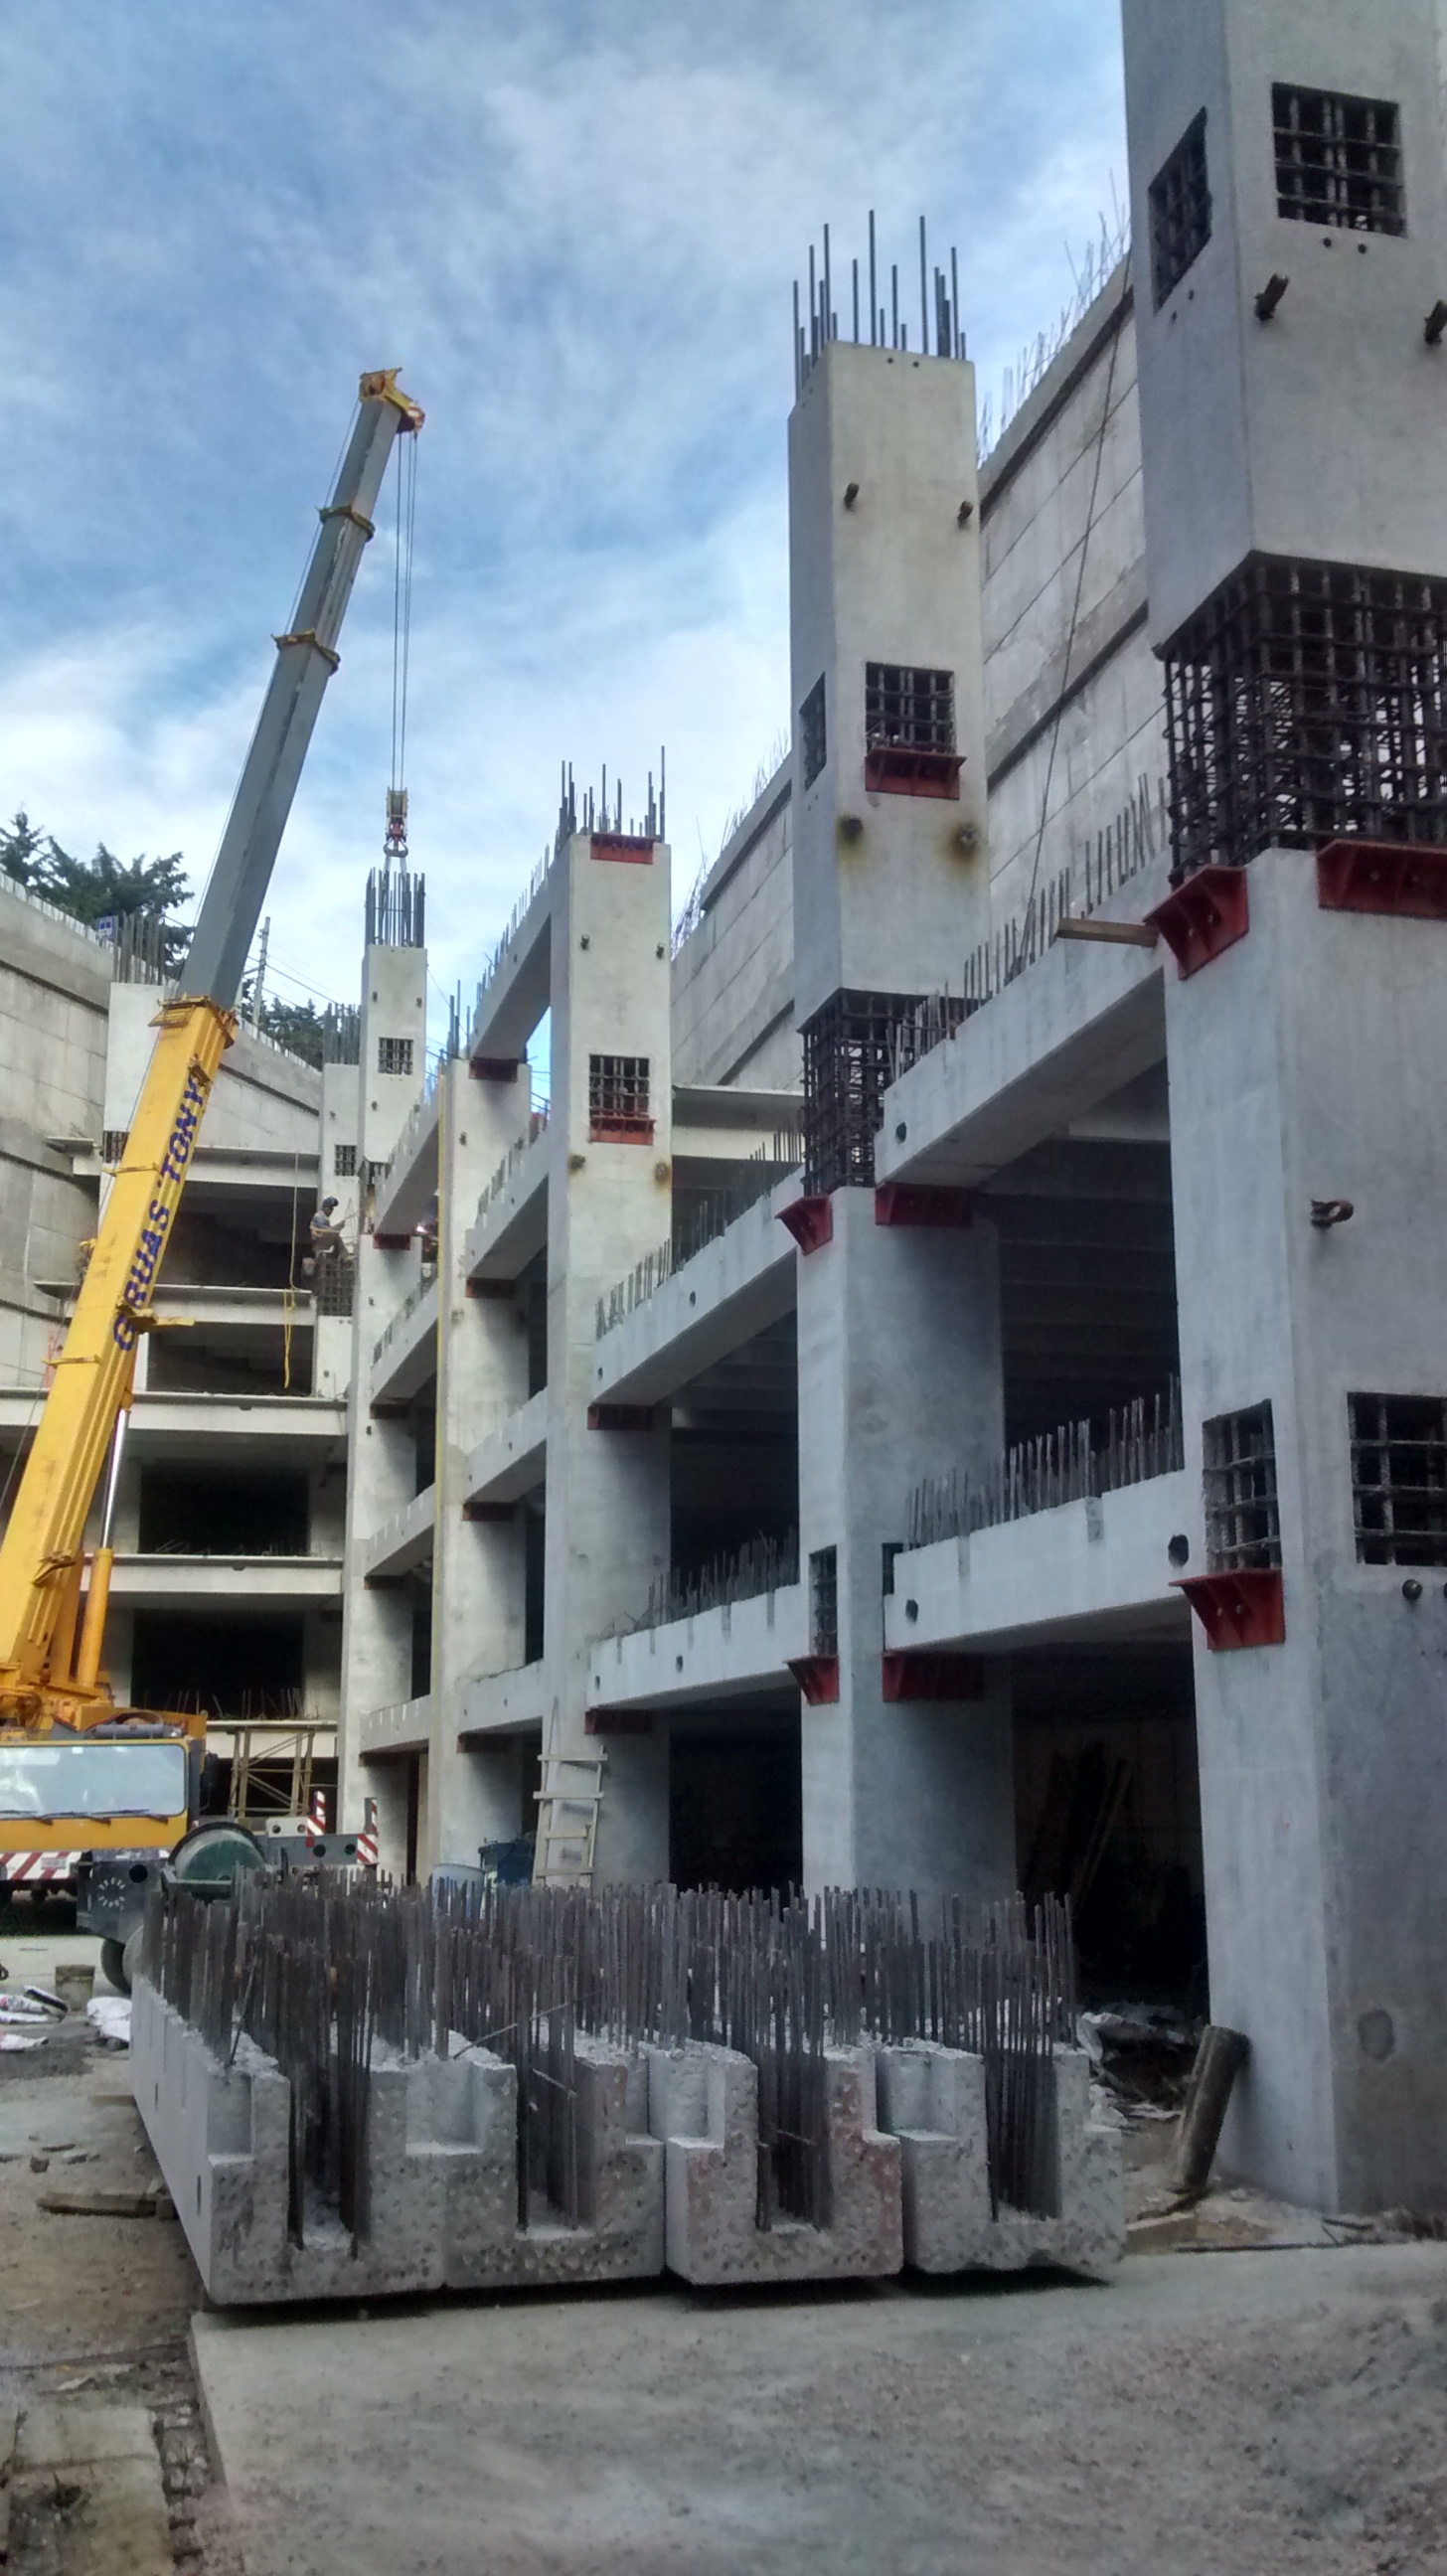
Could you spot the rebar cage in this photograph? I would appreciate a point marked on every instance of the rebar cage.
(849, 1055)
(1304, 702)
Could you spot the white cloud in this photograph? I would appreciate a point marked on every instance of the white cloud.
(577, 228)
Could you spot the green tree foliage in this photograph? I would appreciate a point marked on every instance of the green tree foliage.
(295, 1025)
(104, 888)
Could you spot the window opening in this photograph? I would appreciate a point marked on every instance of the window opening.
(910, 707)
(618, 1100)
(394, 1055)
(1399, 1478)
(1243, 1524)
(113, 1144)
(824, 1601)
(813, 737)
(344, 1162)
(1180, 212)
(1338, 160)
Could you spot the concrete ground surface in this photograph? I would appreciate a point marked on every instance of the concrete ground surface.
(1257, 2412)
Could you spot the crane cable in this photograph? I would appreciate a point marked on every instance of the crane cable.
(396, 840)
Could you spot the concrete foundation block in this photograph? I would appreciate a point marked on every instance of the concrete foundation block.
(703, 2102)
(220, 2135)
(439, 2155)
(933, 2101)
(620, 2235)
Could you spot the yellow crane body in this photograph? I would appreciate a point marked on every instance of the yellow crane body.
(49, 1646)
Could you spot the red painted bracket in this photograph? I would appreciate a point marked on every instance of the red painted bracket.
(633, 847)
(1405, 878)
(496, 1290)
(1244, 1609)
(617, 1721)
(620, 1417)
(614, 1127)
(487, 1511)
(1206, 913)
(818, 1678)
(916, 1674)
(390, 1242)
(493, 1068)
(810, 1221)
(910, 1203)
(896, 769)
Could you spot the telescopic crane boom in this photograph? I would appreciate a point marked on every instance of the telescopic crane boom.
(49, 1644)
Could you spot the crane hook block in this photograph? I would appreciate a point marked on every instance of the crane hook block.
(381, 386)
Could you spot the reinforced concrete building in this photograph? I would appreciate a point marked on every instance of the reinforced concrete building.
(231, 1505)
(949, 1391)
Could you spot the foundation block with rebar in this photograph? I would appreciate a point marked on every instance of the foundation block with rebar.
(964, 2174)
(728, 2219)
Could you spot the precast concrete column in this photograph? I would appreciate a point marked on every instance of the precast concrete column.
(899, 1378)
(477, 1565)
(382, 1457)
(609, 1204)
(1308, 1063)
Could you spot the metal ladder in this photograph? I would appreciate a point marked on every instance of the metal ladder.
(568, 1804)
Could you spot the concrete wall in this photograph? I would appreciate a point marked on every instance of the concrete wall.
(1073, 695)
(54, 988)
(733, 979)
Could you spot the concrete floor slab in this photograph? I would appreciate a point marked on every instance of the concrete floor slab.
(1262, 2411)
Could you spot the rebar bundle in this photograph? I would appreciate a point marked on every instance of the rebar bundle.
(316, 1971)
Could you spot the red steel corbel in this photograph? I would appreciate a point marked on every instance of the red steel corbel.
(1205, 914)
(810, 1221)
(1243, 1609)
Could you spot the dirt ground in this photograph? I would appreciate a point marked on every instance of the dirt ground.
(99, 2307)
(1255, 2410)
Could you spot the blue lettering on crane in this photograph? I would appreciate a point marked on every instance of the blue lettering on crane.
(180, 1145)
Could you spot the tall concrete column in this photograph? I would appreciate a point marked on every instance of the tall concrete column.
(609, 1201)
(1309, 1063)
(899, 1377)
(382, 1474)
(477, 1565)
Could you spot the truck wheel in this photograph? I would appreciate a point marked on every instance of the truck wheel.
(113, 1961)
(131, 1957)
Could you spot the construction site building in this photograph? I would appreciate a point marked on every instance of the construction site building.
(947, 1391)
(231, 1508)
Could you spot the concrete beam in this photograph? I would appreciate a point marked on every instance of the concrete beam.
(503, 1704)
(404, 1728)
(1093, 1570)
(409, 1184)
(1079, 1024)
(516, 994)
(195, 1582)
(512, 1224)
(406, 1356)
(728, 1653)
(511, 1461)
(733, 1289)
(404, 1541)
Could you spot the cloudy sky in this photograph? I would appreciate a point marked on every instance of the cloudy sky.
(576, 224)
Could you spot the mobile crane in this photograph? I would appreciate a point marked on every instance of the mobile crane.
(76, 1772)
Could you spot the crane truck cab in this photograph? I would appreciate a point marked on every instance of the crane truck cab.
(99, 1806)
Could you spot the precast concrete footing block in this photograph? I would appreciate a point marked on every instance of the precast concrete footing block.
(703, 2102)
(933, 2101)
(620, 2234)
(221, 2137)
(439, 2171)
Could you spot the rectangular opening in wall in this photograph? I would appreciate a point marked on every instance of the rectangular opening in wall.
(394, 1055)
(344, 1162)
(113, 1144)
(824, 1601)
(618, 1100)
(1243, 1524)
(909, 731)
(1338, 160)
(813, 737)
(1180, 208)
(1399, 1478)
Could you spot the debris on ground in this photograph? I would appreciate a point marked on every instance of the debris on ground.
(110, 2018)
